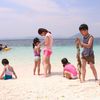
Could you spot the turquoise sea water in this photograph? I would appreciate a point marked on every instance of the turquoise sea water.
(23, 55)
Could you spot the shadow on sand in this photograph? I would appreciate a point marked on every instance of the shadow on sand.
(92, 80)
(57, 73)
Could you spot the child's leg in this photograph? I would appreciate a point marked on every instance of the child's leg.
(49, 69)
(67, 75)
(83, 69)
(34, 69)
(1, 78)
(79, 72)
(39, 67)
(93, 70)
(46, 65)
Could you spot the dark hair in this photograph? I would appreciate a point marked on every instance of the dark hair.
(83, 27)
(36, 40)
(0, 44)
(5, 62)
(40, 30)
(5, 46)
(64, 61)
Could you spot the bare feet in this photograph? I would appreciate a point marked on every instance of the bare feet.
(39, 74)
(49, 73)
(67, 75)
(96, 79)
(82, 80)
(45, 75)
(33, 73)
(99, 82)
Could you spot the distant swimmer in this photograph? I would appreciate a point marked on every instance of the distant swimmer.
(1, 47)
(4, 48)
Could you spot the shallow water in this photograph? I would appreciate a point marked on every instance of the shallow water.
(23, 55)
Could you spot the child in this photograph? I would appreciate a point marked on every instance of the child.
(48, 42)
(88, 53)
(1, 47)
(8, 71)
(69, 70)
(37, 58)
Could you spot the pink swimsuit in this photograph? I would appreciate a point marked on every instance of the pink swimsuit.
(47, 52)
(48, 49)
(71, 69)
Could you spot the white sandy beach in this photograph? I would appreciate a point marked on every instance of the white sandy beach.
(68, 22)
(55, 87)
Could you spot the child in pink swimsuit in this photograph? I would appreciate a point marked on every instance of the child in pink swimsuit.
(48, 42)
(48, 47)
(69, 70)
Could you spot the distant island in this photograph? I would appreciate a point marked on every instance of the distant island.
(32, 37)
(78, 35)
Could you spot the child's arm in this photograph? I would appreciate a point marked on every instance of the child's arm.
(46, 41)
(77, 42)
(90, 42)
(42, 43)
(38, 49)
(14, 73)
(63, 74)
(1, 77)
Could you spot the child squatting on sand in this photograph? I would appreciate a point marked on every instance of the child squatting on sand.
(37, 55)
(69, 71)
(8, 71)
(88, 53)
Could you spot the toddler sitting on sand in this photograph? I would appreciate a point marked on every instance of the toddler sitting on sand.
(8, 71)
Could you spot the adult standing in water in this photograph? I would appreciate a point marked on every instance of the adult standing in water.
(48, 42)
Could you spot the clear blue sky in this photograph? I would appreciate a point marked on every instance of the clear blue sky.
(22, 18)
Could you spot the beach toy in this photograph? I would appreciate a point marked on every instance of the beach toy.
(79, 65)
(6, 49)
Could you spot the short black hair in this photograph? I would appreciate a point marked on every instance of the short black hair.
(5, 62)
(83, 27)
(64, 61)
(36, 40)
